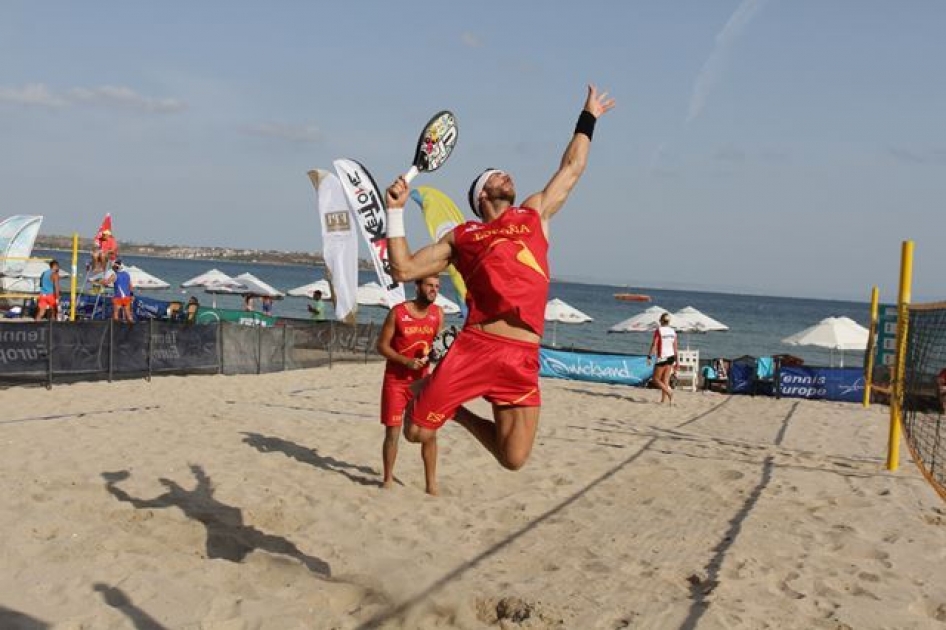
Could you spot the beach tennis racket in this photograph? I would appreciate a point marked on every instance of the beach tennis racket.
(442, 343)
(435, 144)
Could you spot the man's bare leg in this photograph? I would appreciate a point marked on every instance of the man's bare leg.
(428, 452)
(509, 437)
(389, 454)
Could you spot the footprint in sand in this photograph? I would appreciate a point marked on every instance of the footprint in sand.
(731, 475)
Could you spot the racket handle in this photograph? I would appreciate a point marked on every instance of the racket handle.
(411, 174)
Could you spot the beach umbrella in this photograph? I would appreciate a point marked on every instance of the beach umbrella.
(557, 311)
(255, 286)
(371, 294)
(307, 290)
(141, 279)
(833, 333)
(690, 320)
(213, 278)
(647, 321)
(449, 306)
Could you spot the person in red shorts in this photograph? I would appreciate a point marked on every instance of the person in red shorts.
(405, 341)
(503, 261)
(49, 292)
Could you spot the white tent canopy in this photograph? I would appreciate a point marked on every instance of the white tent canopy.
(371, 294)
(642, 322)
(141, 279)
(306, 290)
(690, 319)
(833, 333)
(557, 311)
(449, 306)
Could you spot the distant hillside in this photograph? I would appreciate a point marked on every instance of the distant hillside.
(194, 253)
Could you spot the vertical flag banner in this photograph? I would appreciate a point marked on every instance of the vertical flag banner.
(339, 241)
(441, 215)
(367, 205)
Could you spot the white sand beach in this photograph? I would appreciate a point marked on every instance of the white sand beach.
(254, 502)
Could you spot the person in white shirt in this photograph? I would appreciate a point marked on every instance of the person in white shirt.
(663, 349)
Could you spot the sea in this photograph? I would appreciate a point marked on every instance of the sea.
(757, 323)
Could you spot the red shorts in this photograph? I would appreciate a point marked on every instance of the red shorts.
(395, 395)
(503, 371)
(121, 301)
(48, 301)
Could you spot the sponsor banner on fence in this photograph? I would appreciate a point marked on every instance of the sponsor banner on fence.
(24, 347)
(843, 384)
(597, 368)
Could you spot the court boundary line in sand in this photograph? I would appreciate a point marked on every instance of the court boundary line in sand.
(702, 587)
(402, 608)
(80, 414)
(709, 411)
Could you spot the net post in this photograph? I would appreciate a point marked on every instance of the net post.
(903, 320)
(74, 279)
(872, 349)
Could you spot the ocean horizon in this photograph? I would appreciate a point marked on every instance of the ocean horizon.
(757, 323)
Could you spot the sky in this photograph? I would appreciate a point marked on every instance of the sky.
(776, 147)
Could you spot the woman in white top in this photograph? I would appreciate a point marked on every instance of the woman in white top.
(664, 349)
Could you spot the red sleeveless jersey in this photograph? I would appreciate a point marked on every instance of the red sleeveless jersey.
(412, 338)
(504, 264)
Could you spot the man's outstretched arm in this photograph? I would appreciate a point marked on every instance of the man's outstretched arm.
(551, 199)
(427, 261)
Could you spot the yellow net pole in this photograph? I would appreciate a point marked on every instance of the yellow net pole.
(900, 358)
(872, 349)
(75, 276)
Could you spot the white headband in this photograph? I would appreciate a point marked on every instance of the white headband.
(478, 188)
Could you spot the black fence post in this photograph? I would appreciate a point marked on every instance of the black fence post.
(285, 346)
(111, 347)
(259, 346)
(49, 354)
(219, 347)
(331, 342)
(150, 346)
(368, 340)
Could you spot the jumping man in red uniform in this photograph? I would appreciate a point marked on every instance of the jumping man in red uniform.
(503, 261)
(405, 341)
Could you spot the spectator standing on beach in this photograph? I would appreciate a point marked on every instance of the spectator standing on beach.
(405, 341)
(266, 304)
(123, 293)
(190, 314)
(248, 302)
(105, 249)
(504, 260)
(317, 307)
(663, 350)
(49, 291)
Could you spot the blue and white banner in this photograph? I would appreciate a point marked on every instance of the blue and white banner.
(843, 384)
(597, 368)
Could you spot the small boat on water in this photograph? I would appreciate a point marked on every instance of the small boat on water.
(632, 297)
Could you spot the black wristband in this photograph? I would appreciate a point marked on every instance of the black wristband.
(586, 123)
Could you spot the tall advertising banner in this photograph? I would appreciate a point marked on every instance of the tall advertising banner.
(339, 242)
(367, 205)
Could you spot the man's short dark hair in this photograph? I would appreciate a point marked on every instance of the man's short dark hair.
(317, 294)
(53, 263)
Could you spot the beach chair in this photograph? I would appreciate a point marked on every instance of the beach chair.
(716, 376)
(688, 368)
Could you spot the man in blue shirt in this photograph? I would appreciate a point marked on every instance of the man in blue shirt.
(49, 291)
(123, 293)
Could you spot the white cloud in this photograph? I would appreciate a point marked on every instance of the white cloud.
(715, 64)
(294, 133)
(471, 40)
(38, 94)
(33, 94)
(117, 96)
